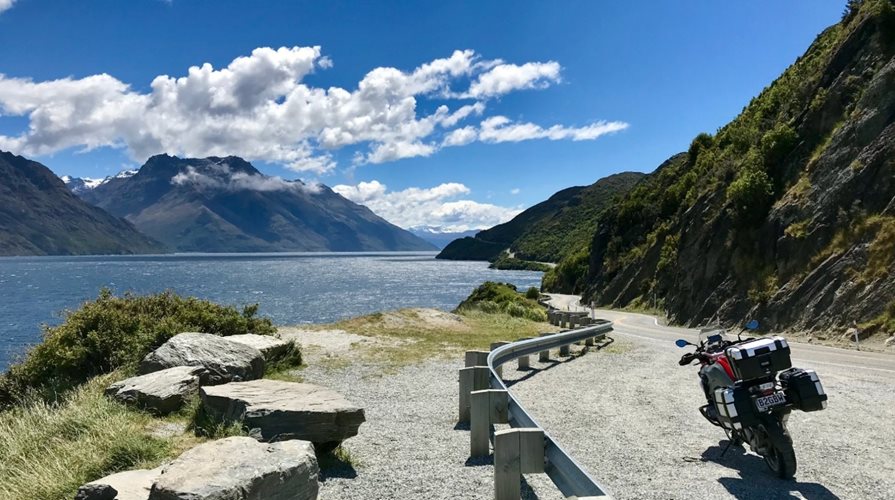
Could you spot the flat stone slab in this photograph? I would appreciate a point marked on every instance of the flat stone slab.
(223, 360)
(273, 348)
(240, 468)
(129, 485)
(160, 392)
(275, 410)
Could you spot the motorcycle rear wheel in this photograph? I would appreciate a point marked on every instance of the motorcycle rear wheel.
(780, 456)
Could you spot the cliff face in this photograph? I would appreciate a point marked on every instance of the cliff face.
(787, 214)
(39, 216)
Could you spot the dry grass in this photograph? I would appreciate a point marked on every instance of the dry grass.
(413, 335)
(49, 450)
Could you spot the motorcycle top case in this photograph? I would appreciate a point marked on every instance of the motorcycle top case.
(735, 407)
(759, 358)
(803, 389)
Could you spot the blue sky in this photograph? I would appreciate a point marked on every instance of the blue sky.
(654, 72)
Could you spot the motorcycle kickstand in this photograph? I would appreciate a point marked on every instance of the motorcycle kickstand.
(729, 444)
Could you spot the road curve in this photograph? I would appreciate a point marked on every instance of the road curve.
(628, 414)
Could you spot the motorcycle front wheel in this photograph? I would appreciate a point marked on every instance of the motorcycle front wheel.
(780, 456)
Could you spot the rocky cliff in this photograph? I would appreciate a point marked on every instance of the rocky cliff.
(786, 214)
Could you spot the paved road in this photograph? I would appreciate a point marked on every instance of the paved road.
(628, 414)
(647, 328)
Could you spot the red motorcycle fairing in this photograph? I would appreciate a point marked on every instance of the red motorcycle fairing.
(725, 363)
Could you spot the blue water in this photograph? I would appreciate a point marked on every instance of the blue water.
(290, 288)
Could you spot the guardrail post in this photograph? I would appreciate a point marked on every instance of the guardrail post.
(523, 361)
(589, 341)
(516, 452)
(544, 356)
(487, 407)
(495, 345)
(476, 358)
(564, 350)
(474, 378)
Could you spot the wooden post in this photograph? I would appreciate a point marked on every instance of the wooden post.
(479, 424)
(495, 345)
(564, 350)
(474, 378)
(516, 452)
(523, 361)
(487, 407)
(507, 465)
(531, 450)
(589, 341)
(544, 356)
(476, 358)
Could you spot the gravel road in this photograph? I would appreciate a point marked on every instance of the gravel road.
(408, 447)
(629, 415)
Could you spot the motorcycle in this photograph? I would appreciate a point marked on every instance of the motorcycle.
(751, 388)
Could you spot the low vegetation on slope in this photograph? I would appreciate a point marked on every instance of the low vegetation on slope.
(115, 333)
(783, 214)
(58, 430)
(493, 297)
(548, 231)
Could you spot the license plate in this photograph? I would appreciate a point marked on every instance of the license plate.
(765, 402)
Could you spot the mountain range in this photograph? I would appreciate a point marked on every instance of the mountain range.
(227, 205)
(548, 231)
(40, 216)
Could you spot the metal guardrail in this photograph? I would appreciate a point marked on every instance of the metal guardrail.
(569, 477)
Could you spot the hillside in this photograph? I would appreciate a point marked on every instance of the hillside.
(39, 216)
(786, 214)
(548, 231)
(226, 205)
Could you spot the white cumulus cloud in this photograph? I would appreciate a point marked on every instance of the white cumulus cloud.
(259, 107)
(6, 5)
(438, 206)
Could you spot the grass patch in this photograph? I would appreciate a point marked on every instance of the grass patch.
(50, 449)
(410, 339)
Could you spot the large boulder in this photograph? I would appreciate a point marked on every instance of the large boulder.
(129, 485)
(275, 410)
(240, 468)
(273, 348)
(223, 360)
(160, 392)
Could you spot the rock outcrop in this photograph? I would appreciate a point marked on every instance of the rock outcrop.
(240, 468)
(160, 392)
(274, 410)
(129, 485)
(223, 360)
(273, 348)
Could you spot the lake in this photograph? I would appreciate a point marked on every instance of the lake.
(291, 288)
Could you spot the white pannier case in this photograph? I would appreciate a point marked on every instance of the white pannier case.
(759, 358)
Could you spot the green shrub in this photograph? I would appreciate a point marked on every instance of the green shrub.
(532, 293)
(570, 275)
(700, 143)
(493, 297)
(112, 333)
(750, 196)
(776, 144)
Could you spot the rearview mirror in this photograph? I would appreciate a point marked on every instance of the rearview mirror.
(681, 343)
(752, 325)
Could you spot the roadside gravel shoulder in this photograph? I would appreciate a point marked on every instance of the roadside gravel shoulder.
(408, 447)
